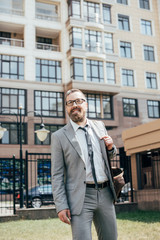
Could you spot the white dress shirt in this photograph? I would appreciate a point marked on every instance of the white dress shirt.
(97, 155)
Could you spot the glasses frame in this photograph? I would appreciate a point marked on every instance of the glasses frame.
(70, 103)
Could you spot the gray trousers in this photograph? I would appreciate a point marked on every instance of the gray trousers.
(99, 208)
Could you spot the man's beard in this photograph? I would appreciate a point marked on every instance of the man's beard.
(78, 117)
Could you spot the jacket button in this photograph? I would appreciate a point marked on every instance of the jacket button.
(84, 182)
(84, 168)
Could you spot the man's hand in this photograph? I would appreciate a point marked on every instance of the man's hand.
(65, 216)
(108, 141)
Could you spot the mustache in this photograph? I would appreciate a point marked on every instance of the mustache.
(78, 108)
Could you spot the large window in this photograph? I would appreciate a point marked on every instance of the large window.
(46, 11)
(108, 42)
(106, 13)
(146, 27)
(149, 53)
(75, 37)
(77, 69)
(123, 22)
(127, 77)
(49, 104)
(48, 71)
(91, 11)
(144, 4)
(95, 71)
(51, 128)
(99, 106)
(130, 107)
(93, 41)
(11, 67)
(123, 2)
(153, 109)
(12, 135)
(151, 80)
(125, 49)
(110, 69)
(11, 99)
(74, 8)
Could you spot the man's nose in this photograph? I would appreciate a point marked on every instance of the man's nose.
(74, 103)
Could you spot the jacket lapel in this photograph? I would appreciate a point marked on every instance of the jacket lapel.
(70, 134)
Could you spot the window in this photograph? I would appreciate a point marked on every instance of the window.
(123, 2)
(11, 99)
(127, 77)
(11, 136)
(108, 42)
(48, 71)
(74, 9)
(46, 11)
(93, 41)
(51, 128)
(149, 53)
(77, 69)
(75, 36)
(130, 107)
(146, 27)
(95, 71)
(151, 80)
(144, 4)
(110, 69)
(5, 38)
(153, 109)
(12, 6)
(123, 22)
(125, 49)
(11, 67)
(106, 14)
(91, 11)
(49, 104)
(99, 106)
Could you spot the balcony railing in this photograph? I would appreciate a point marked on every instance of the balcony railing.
(49, 47)
(12, 11)
(94, 47)
(12, 42)
(47, 17)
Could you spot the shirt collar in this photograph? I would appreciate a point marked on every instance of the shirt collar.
(76, 126)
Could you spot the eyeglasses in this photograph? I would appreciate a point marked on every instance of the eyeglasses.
(78, 101)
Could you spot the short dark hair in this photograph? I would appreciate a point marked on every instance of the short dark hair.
(72, 91)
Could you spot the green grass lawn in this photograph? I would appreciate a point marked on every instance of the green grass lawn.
(137, 225)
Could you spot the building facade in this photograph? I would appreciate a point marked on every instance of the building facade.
(107, 48)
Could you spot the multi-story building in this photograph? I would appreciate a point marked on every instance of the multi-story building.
(107, 48)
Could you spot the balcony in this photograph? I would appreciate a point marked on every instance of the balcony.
(47, 17)
(11, 11)
(49, 47)
(11, 42)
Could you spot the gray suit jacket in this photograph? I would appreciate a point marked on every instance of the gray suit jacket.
(68, 168)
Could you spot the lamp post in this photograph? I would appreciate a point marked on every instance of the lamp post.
(41, 134)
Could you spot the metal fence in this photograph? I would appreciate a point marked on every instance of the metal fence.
(9, 183)
(36, 181)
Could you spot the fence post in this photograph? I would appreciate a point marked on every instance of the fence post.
(14, 189)
(26, 174)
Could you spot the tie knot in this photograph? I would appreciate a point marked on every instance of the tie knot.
(84, 128)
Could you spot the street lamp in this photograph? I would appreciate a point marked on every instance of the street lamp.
(41, 134)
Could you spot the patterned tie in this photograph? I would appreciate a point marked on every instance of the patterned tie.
(90, 153)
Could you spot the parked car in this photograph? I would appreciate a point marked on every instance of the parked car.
(39, 195)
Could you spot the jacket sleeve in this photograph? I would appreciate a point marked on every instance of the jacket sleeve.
(57, 173)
